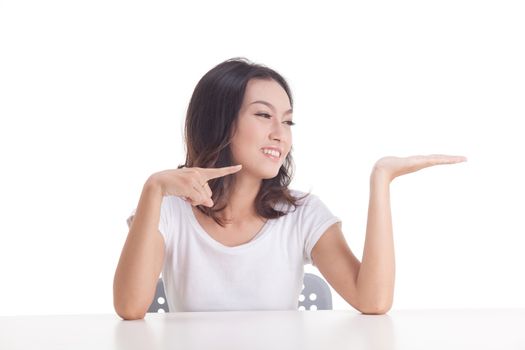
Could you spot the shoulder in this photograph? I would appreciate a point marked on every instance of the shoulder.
(170, 207)
(311, 210)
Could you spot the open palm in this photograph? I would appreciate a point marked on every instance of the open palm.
(397, 166)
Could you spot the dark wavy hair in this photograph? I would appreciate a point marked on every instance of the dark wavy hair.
(211, 119)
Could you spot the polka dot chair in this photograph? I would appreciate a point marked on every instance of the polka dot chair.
(159, 303)
(315, 295)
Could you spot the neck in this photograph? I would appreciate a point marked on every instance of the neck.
(241, 204)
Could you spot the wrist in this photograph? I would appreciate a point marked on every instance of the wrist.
(381, 175)
(153, 184)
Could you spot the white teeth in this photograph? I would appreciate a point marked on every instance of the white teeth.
(271, 152)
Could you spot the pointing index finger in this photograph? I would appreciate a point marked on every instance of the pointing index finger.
(212, 173)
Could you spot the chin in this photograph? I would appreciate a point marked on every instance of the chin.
(266, 174)
(270, 175)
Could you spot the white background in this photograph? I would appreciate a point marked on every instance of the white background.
(93, 97)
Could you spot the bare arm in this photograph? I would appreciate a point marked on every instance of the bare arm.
(375, 279)
(141, 259)
(369, 285)
(143, 254)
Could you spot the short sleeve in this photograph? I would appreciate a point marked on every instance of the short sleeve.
(165, 220)
(315, 219)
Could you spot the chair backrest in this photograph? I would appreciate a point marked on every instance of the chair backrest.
(160, 303)
(315, 295)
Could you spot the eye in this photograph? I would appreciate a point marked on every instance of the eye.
(266, 115)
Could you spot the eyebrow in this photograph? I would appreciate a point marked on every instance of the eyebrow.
(271, 106)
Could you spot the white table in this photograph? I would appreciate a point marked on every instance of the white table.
(412, 329)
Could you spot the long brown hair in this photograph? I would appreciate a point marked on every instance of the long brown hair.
(210, 120)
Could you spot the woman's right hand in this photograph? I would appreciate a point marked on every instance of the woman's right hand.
(191, 183)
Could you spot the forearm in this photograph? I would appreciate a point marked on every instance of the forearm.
(375, 282)
(141, 258)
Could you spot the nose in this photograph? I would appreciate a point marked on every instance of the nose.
(279, 131)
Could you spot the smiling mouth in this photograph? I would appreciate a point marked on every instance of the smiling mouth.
(272, 157)
(271, 151)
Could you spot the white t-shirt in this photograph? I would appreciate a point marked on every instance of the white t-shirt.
(266, 273)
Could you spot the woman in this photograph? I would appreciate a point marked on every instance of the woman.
(225, 230)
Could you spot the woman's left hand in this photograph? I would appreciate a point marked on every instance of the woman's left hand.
(393, 167)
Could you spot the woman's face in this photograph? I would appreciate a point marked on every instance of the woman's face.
(263, 123)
